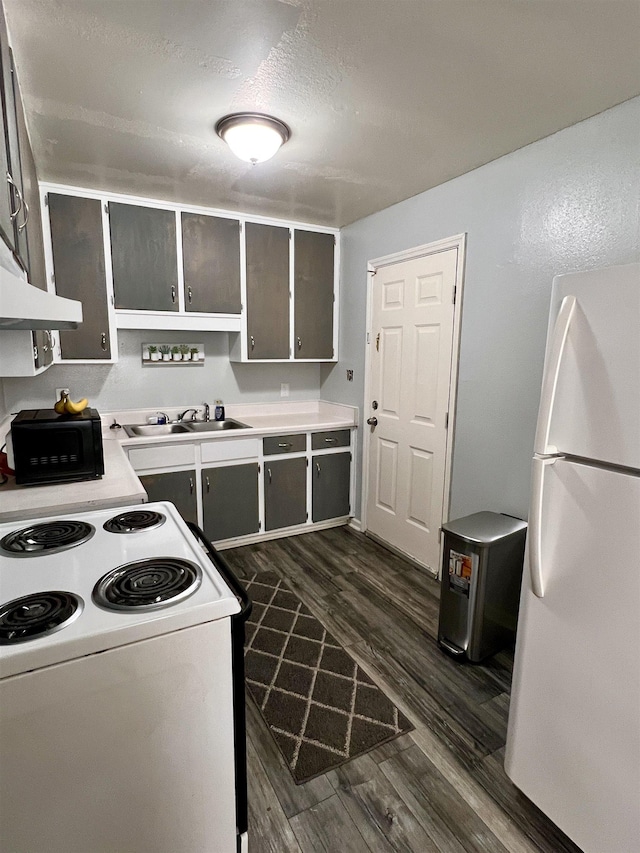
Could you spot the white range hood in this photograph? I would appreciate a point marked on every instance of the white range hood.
(23, 306)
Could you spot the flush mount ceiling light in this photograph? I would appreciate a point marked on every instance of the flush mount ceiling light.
(252, 136)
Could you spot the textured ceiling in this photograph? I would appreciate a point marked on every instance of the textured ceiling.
(385, 98)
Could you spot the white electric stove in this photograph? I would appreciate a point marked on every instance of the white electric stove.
(118, 672)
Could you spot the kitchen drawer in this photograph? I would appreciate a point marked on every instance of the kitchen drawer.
(332, 438)
(162, 456)
(222, 450)
(296, 443)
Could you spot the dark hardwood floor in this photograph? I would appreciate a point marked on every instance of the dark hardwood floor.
(440, 788)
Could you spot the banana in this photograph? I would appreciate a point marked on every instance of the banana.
(60, 405)
(72, 408)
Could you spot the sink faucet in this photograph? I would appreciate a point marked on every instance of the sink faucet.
(207, 412)
(186, 412)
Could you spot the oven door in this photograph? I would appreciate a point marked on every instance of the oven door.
(237, 661)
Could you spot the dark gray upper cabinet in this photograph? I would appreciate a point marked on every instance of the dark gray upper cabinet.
(30, 221)
(211, 263)
(79, 269)
(42, 348)
(179, 487)
(267, 252)
(331, 480)
(12, 212)
(230, 501)
(144, 257)
(313, 294)
(285, 492)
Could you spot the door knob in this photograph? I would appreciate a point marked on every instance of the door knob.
(372, 421)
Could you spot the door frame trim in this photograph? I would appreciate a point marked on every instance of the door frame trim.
(457, 242)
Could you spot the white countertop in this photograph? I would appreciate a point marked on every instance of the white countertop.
(120, 485)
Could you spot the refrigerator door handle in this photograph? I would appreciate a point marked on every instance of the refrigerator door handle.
(551, 374)
(535, 523)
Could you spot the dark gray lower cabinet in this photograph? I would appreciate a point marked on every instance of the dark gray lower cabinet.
(331, 479)
(179, 487)
(230, 501)
(285, 492)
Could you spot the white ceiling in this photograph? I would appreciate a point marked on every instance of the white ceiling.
(385, 98)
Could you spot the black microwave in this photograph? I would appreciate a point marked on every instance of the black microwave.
(53, 448)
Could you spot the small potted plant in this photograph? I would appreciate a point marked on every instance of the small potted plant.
(154, 355)
(176, 355)
(166, 352)
(185, 352)
(195, 354)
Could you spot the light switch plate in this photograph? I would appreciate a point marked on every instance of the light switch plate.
(284, 389)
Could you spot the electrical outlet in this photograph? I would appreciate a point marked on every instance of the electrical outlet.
(349, 375)
(284, 389)
(60, 392)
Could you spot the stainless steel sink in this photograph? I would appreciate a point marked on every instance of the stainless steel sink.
(154, 429)
(214, 426)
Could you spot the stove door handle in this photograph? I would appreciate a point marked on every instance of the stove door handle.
(232, 581)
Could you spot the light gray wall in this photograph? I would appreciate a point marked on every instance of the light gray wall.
(127, 385)
(566, 203)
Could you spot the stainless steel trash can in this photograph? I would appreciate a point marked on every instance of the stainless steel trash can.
(480, 588)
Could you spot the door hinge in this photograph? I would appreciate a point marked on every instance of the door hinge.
(334, 240)
(46, 200)
(259, 468)
(306, 518)
(439, 534)
(307, 463)
(455, 287)
(240, 224)
(259, 525)
(53, 278)
(378, 342)
(350, 458)
(106, 208)
(446, 420)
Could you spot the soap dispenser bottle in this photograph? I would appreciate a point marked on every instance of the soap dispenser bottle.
(219, 411)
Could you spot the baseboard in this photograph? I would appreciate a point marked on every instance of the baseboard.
(281, 533)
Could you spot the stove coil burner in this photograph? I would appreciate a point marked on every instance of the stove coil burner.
(36, 615)
(134, 521)
(46, 538)
(147, 584)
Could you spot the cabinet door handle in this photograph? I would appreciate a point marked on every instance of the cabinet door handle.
(18, 195)
(189, 295)
(207, 484)
(284, 444)
(331, 440)
(252, 341)
(318, 468)
(103, 341)
(299, 343)
(269, 473)
(190, 485)
(26, 216)
(173, 293)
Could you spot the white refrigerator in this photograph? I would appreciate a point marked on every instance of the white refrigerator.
(573, 742)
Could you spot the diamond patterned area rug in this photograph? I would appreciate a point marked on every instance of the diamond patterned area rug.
(319, 705)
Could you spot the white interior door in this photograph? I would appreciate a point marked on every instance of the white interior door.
(410, 368)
